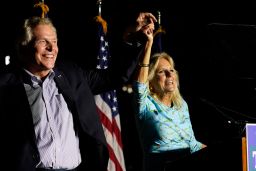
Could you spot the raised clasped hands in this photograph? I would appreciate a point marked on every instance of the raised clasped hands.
(144, 20)
(145, 24)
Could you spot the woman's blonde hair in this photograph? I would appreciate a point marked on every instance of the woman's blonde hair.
(154, 60)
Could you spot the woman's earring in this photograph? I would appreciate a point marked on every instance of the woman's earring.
(150, 88)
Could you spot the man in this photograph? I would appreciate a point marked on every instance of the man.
(48, 114)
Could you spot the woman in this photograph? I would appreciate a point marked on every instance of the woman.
(162, 114)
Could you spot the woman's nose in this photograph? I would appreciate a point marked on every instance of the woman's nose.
(168, 73)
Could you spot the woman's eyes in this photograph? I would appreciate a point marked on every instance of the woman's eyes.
(166, 71)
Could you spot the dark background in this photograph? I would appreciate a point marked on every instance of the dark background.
(212, 42)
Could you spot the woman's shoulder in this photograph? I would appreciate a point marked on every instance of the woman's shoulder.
(184, 103)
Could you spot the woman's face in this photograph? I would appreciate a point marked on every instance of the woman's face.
(165, 79)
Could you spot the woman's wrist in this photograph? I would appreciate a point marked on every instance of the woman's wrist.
(143, 65)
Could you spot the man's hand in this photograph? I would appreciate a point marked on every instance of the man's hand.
(144, 19)
(142, 30)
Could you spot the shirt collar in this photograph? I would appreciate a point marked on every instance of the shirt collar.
(34, 80)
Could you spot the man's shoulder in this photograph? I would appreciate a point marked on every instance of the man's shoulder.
(8, 73)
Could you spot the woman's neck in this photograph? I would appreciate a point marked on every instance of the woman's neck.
(166, 99)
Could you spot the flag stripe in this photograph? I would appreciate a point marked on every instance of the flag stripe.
(114, 144)
(114, 159)
(111, 126)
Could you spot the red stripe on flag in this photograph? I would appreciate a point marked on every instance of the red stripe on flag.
(117, 133)
(113, 157)
(112, 127)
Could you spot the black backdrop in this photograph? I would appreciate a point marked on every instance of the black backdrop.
(212, 42)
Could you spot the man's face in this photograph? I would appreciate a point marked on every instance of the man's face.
(45, 49)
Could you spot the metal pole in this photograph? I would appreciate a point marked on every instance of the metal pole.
(99, 2)
(159, 17)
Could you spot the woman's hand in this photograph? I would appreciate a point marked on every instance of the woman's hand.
(204, 146)
(145, 25)
(148, 31)
(144, 19)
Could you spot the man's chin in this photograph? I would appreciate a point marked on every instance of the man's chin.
(48, 67)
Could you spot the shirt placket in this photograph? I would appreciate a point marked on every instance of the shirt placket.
(51, 120)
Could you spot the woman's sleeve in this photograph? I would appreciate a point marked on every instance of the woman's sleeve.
(140, 98)
(193, 143)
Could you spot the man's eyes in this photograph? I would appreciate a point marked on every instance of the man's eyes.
(44, 42)
(41, 41)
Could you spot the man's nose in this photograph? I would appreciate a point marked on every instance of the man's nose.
(49, 46)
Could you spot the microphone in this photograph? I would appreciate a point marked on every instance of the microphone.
(230, 120)
(233, 123)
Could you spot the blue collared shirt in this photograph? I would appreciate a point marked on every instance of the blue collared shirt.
(56, 140)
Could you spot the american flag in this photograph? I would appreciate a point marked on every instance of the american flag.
(107, 107)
